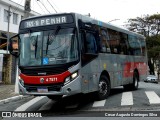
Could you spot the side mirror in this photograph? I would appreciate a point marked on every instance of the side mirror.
(14, 45)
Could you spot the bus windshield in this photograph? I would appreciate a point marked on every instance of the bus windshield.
(48, 47)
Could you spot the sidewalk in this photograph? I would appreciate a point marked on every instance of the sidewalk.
(7, 94)
(7, 91)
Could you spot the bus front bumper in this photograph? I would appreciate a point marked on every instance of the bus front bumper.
(71, 88)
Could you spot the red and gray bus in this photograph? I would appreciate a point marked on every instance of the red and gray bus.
(69, 53)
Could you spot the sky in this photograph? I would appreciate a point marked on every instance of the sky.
(115, 12)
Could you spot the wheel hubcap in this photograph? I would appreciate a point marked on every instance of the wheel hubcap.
(103, 87)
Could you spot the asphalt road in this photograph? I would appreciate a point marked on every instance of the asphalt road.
(146, 98)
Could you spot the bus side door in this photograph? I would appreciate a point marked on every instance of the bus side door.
(89, 61)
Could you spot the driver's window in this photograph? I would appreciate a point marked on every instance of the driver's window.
(91, 46)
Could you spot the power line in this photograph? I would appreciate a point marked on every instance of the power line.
(18, 5)
(55, 6)
(32, 2)
(43, 5)
(40, 7)
(52, 6)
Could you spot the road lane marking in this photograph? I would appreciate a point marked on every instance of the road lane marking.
(99, 103)
(47, 106)
(127, 99)
(30, 103)
(153, 97)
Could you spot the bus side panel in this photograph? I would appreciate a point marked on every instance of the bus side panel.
(108, 62)
(116, 66)
(119, 67)
(128, 70)
(135, 62)
(90, 76)
(141, 65)
(120, 70)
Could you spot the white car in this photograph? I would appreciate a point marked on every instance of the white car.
(151, 78)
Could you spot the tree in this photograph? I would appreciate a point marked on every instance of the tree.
(149, 26)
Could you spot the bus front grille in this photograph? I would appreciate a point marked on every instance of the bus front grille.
(32, 88)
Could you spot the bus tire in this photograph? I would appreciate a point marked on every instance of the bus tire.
(134, 85)
(103, 88)
(55, 97)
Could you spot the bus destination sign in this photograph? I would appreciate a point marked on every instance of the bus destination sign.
(44, 21)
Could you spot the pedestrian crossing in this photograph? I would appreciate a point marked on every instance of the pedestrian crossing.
(99, 103)
(130, 98)
(153, 97)
(127, 99)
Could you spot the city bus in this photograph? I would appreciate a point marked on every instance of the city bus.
(69, 53)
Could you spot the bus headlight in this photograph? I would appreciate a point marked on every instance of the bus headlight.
(74, 75)
(21, 81)
(70, 78)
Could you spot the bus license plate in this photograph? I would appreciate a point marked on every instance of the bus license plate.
(42, 90)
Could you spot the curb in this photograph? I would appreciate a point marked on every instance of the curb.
(15, 98)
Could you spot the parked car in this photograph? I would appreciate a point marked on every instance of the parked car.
(151, 78)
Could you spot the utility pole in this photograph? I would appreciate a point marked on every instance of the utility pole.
(8, 17)
(27, 8)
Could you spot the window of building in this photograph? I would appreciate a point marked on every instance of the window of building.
(6, 14)
(15, 18)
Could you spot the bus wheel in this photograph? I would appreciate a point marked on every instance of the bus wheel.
(104, 88)
(134, 85)
(55, 97)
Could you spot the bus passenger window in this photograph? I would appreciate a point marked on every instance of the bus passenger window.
(135, 45)
(104, 46)
(114, 41)
(124, 46)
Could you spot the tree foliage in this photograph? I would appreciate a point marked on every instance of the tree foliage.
(146, 25)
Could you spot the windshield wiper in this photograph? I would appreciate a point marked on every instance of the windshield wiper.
(47, 44)
(36, 43)
(51, 39)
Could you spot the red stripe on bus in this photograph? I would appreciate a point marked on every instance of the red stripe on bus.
(50, 79)
(129, 68)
